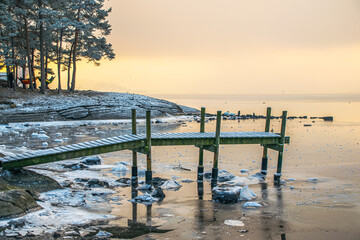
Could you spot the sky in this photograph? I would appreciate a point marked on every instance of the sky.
(230, 47)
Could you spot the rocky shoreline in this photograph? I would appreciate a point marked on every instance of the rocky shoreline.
(27, 106)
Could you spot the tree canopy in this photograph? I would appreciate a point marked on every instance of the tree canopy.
(35, 33)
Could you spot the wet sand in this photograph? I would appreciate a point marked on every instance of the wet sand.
(319, 198)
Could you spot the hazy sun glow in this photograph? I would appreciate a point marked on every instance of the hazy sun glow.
(233, 46)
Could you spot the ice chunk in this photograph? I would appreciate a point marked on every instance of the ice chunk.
(235, 223)
(247, 194)
(43, 136)
(146, 199)
(313, 180)
(58, 134)
(144, 187)
(251, 205)
(243, 181)
(91, 160)
(120, 168)
(103, 234)
(186, 180)
(34, 135)
(171, 185)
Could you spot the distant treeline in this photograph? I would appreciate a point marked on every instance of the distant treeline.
(35, 33)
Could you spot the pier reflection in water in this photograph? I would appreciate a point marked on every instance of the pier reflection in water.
(135, 227)
(206, 219)
(209, 218)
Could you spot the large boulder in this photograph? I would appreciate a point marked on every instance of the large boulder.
(26, 179)
(226, 194)
(16, 202)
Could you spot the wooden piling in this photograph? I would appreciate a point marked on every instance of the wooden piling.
(148, 173)
(277, 175)
(238, 115)
(264, 162)
(134, 194)
(200, 187)
(215, 170)
(134, 169)
(201, 149)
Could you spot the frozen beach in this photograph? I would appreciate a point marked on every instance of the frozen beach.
(318, 198)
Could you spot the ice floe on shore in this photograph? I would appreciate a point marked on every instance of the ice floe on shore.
(50, 219)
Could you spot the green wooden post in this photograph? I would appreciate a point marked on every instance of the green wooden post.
(134, 169)
(215, 170)
(148, 173)
(264, 163)
(201, 149)
(277, 175)
(238, 114)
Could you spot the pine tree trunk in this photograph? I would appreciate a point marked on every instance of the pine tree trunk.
(59, 61)
(42, 67)
(8, 73)
(31, 76)
(72, 89)
(69, 67)
(14, 80)
(46, 66)
(23, 73)
(32, 66)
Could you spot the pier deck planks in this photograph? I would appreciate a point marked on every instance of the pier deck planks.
(130, 142)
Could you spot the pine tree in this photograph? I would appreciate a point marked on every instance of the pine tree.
(90, 26)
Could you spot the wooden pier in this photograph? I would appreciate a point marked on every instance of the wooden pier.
(142, 143)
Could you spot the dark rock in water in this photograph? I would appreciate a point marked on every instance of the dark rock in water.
(259, 176)
(82, 179)
(97, 183)
(91, 160)
(157, 181)
(225, 177)
(328, 118)
(26, 179)
(124, 180)
(226, 195)
(207, 175)
(16, 202)
(75, 166)
(160, 121)
(158, 193)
